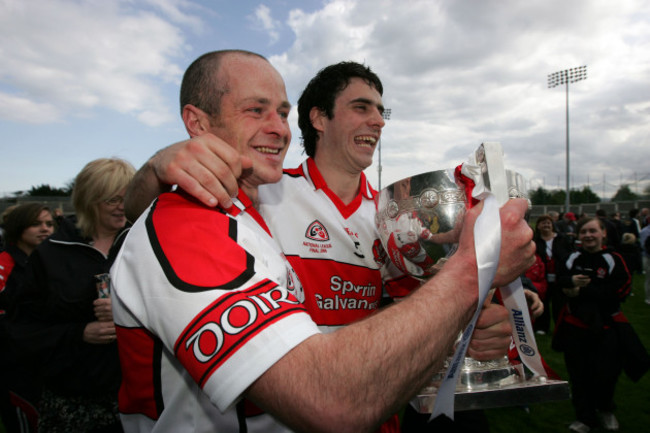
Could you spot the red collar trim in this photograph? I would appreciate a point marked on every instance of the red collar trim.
(245, 204)
(346, 210)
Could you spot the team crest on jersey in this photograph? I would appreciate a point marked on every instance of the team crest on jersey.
(317, 232)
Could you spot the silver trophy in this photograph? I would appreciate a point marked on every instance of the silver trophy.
(419, 220)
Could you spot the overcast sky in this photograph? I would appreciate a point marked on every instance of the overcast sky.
(83, 79)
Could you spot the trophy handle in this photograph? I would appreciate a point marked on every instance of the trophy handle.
(490, 156)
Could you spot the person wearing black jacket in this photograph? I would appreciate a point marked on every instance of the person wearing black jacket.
(552, 247)
(592, 331)
(61, 320)
(27, 226)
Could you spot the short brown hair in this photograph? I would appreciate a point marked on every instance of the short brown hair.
(200, 86)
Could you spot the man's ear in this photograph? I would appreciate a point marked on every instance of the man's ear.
(317, 117)
(196, 121)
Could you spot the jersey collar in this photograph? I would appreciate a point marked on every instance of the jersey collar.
(244, 204)
(365, 190)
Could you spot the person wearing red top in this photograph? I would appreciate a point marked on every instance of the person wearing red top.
(552, 247)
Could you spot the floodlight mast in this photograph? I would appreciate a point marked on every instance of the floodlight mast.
(565, 77)
(386, 116)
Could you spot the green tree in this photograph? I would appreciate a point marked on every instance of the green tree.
(45, 190)
(544, 196)
(624, 193)
(539, 196)
(558, 196)
(586, 195)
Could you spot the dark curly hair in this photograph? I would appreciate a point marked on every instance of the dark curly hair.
(322, 91)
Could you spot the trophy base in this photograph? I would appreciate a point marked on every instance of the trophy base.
(493, 384)
(519, 393)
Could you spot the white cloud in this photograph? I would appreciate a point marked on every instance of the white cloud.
(455, 73)
(17, 109)
(91, 54)
(262, 16)
(459, 73)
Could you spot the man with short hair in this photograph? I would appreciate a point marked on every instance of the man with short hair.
(310, 381)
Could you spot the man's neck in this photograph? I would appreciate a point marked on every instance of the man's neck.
(343, 183)
(252, 193)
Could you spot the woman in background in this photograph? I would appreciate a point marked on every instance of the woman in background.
(552, 247)
(595, 281)
(26, 226)
(63, 322)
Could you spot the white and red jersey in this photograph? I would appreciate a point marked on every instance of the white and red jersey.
(204, 302)
(334, 247)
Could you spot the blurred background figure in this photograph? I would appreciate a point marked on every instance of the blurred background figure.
(596, 338)
(630, 250)
(60, 321)
(567, 225)
(644, 216)
(25, 227)
(535, 279)
(615, 218)
(552, 247)
(645, 244)
(555, 217)
(613, 238)
(633, 223)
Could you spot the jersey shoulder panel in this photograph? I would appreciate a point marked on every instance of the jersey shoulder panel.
(197, 246)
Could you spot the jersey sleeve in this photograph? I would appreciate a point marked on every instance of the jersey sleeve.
(221, 311)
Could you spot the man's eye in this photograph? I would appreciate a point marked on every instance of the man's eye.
(257, 110)
(284, 114)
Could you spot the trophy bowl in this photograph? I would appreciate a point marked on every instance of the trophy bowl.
(419, 219)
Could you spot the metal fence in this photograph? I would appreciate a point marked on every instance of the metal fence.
(609, 207)
(63, 203)
(623, 207)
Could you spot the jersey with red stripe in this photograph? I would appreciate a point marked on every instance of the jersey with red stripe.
(204, 303)
(6, 266)
(334, 247)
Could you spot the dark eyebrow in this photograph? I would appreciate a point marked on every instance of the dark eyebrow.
(367, 101)
(267, 101)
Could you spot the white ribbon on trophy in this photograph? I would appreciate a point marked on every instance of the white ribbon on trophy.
(485, 168)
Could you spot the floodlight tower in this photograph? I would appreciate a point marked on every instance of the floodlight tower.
(565, 77)
(386, 116)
